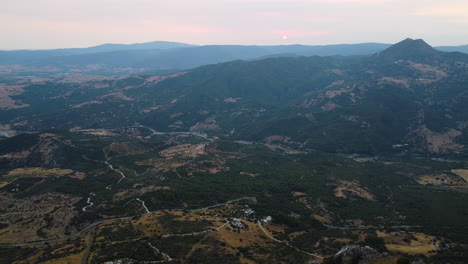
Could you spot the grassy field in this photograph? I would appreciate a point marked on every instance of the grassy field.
(409, 243)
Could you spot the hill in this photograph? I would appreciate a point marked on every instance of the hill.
(408, 94)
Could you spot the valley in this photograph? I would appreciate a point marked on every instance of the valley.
(277, 160)
(189, 179)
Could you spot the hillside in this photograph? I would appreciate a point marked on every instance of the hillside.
(317, 159)
(336, 104)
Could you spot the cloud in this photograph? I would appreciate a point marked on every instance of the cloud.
(460, 10)
(72, 23)
(301, 33)
(371, 2)
(312, 1)
(310, 18)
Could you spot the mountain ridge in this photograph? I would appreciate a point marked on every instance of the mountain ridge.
(327, 100)
(414, 49)
(111, 60)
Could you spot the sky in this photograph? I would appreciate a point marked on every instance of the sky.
(46, 24)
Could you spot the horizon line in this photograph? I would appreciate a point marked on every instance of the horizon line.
(203, 45)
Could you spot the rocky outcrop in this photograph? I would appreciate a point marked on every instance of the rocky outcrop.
(355, 255)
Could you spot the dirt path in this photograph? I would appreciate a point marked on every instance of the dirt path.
(268, 234)
(287, 244)
(166, 257)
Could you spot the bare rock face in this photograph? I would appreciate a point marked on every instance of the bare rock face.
(355, 255)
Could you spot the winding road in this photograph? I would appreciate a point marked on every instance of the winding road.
(143, 204)
(116, 170)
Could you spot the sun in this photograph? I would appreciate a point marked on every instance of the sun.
(285, 37)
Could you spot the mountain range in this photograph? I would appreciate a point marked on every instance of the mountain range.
(275, 158)
(160, 56)
(408, 94)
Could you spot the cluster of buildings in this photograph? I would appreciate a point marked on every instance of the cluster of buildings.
(251, 214)
(237, 224)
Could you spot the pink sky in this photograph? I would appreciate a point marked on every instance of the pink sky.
(39, 24)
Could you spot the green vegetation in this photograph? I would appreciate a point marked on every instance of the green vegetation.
(337, 148)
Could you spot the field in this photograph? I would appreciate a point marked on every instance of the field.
(138, 196)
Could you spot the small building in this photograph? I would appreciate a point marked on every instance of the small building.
(249, 211)
(237, 224)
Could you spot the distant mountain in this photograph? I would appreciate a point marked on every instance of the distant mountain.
(164, 55)
(410, 49)
(161, 45)
(156, 56)
(155, 45)
(409, 94)
(42, 57)
(463, 48)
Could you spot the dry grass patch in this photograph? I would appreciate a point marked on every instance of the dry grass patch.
(83, 78)
(428, 69)
(409, 243)
(440, 179)
(43, 172)
(249, 174)
(274, 228)
(232, 100)
(329, 106)
(92, 102)
(441, 142)
(157, 107)
(462, 173)
(97, 132)
(403, 82)
(352, 190)
(202, 126)
(298, 194)
(149, 225)
(364, 159)
(6, 102)
(253, 237)
(7, 129)
(126, 148)
(73, 258)
(117, 95)
(327, 219)
(184, 150)
(16, 155)
(50, 213)
(38, 171)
